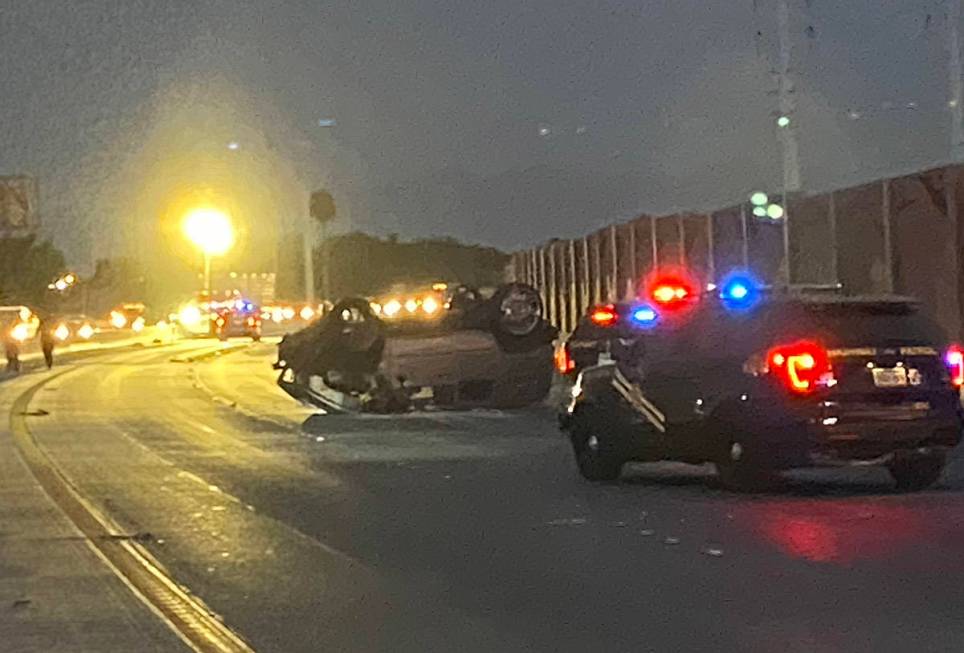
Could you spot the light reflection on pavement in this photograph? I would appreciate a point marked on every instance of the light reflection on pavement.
(473, 532)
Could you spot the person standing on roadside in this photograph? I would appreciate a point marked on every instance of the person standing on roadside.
(46, 333)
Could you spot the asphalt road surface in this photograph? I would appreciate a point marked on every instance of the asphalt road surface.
(473, 532)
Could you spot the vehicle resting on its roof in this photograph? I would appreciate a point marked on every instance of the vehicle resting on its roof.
(479, 352)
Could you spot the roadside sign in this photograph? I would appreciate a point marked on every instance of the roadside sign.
(18, 206)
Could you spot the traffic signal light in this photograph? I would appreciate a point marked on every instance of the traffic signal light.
(765, 209)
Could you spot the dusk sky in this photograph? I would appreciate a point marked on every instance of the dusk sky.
(500, 122)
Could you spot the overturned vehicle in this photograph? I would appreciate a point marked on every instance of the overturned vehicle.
(468, 351)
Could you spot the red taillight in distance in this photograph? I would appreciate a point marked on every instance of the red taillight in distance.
(802, 367)
(604, 315)
(954, 358)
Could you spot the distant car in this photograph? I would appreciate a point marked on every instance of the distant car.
(73, 328)
(406, 304)
(243, 320)
(18, 323)
(797, 380)
(128, 314)
(494, 352)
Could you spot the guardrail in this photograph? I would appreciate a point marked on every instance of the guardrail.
(901, 234)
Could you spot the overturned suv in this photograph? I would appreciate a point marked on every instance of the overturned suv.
(796, 381)
(493, 352)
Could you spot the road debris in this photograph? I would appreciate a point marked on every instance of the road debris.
(568, 521)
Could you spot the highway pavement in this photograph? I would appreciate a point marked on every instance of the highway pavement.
(472, 531)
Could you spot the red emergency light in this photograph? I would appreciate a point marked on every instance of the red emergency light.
(669, 291)
(604, 315)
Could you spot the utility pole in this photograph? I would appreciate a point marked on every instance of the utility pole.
(786, 121)
(956, 100)
(787, 126)
(207, 276)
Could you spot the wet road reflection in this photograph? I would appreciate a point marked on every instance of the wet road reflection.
(837, 531)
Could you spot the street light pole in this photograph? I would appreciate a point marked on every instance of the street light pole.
(309, 267)
(210, 230)
(207, 275)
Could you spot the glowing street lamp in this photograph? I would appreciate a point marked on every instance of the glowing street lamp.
(211, 232)
(62, 283)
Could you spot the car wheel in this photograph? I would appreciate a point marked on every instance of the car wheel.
(739, 475)
(222, 337)
(918, 472)
(595, 455)
(256, 337)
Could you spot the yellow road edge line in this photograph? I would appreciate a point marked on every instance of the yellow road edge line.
(193, 622)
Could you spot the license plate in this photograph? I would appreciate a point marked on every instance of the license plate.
(890, 377)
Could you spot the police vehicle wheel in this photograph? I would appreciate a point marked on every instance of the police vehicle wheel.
(919, 472)
(596, 460)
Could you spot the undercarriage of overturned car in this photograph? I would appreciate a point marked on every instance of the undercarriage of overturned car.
(477, 352)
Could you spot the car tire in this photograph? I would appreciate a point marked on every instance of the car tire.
(918, 472)
(596, 457)
(256, 338)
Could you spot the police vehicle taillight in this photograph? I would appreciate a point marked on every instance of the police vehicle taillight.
(604, 315)
(802, 366)
(564, 361)
(954, 358)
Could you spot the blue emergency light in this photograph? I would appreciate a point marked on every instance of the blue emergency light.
(739, 291)
(645, 315)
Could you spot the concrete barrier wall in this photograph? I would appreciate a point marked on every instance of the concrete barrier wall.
(899, 235)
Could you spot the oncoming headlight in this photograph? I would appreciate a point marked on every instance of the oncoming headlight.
(391, 308)
(190, 315)
(430, 305)
(118, 320)
(20, 332)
